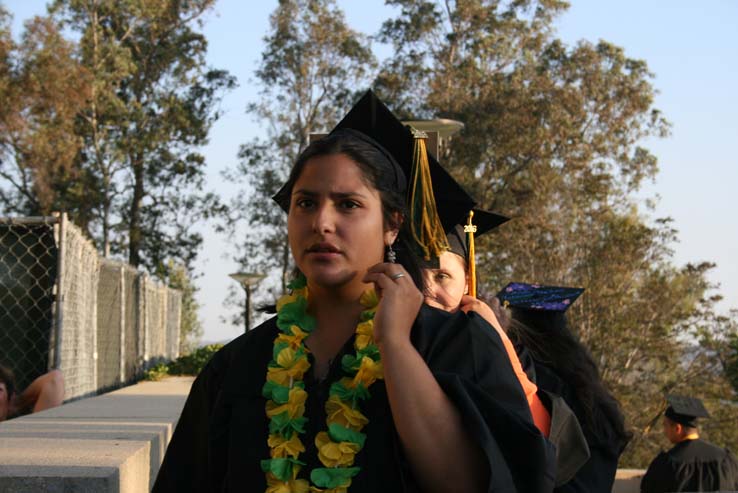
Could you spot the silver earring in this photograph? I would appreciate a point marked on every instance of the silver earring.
(391, 255)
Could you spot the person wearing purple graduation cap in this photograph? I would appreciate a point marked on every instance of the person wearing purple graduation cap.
(557, 362)
(692, 464)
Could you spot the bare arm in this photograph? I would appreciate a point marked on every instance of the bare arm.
(433, 436)
(45, 392)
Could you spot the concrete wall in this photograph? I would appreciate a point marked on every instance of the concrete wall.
(110, 443)
(628, 480)
(113, 443)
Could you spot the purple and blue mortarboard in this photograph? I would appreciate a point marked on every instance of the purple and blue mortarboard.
(538, 297)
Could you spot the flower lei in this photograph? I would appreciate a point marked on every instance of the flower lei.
(285, 393)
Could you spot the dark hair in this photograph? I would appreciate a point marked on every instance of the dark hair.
(380, 172)
(547, 336)
(7, 377)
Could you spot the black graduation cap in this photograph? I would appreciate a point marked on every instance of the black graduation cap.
(461, 241)
(370, 120)
(685, 410)
(538, 297)
(485, 221)
(371, 117)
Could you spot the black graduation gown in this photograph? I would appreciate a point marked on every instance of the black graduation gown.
(222, 433)
(692, 465)
(597, 475)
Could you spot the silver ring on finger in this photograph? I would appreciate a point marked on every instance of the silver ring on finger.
(395, 277)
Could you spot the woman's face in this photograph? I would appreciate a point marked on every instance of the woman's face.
(446, 285)
(335, 223)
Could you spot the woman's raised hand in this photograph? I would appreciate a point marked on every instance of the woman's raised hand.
(471, 304)
(399, 302)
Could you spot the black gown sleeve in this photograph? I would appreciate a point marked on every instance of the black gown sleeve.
(729, 472)
(469, 361)
(184, 466)
(188, 463)
(659, 477)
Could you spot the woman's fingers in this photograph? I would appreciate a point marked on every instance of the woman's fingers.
(392, 271)
(381, 273)
(398, 296)
(467, 303)
(380, 281)
(471, 304)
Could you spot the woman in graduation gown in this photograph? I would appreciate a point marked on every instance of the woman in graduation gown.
(350, 389)
(554, 358)
(450, 284)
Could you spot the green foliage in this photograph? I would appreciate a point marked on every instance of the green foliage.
(731, 367)
(191, 329)
(189, 364)
(193, 363)
(152, 103)
(43, 86)
(156, 373)
(107, 124)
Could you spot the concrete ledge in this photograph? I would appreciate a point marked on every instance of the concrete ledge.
(43, 464)
(113, 442)
(628, 480)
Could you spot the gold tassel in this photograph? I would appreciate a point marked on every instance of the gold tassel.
(425, 224)
(470, 229)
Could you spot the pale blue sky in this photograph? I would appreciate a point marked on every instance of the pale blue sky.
(691, 47)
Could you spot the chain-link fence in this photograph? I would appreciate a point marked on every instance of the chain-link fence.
(28, 273)
(61, 306)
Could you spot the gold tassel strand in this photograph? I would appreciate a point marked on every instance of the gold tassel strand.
(470, 229)
(425, 224)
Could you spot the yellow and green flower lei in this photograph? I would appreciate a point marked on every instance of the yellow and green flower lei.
(285, 393)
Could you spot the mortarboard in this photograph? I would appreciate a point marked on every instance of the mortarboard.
(370, 120)
(538, 297)
(461, 240)
(485, 221)
(685, 410)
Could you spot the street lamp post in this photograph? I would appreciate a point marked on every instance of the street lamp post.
(246, 280)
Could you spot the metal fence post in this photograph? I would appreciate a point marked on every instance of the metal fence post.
(145, 318)
(122, 359)
(59, 319)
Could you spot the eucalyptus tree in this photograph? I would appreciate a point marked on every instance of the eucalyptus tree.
(554, 138)
(153, 102)
(43, 86)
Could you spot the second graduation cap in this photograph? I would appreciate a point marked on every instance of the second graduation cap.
(685, 410)
(461, 241)
(538, 297)
(484, 221)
